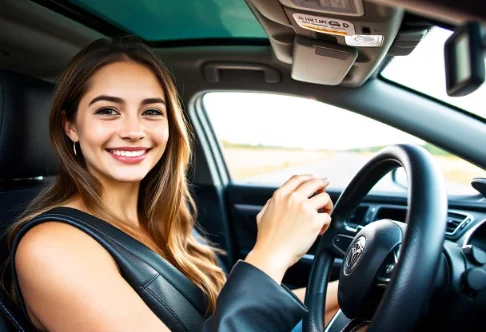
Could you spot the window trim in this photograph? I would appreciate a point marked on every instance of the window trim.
(75, 13)
(204, 132)
(431, 98)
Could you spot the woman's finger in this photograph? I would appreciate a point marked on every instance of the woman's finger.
(321, 201)
(310, 187)
(293, 183)
(262, 212)
(327, 221)
(329, 206)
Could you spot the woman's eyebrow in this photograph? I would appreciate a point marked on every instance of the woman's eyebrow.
(107, 98)
(153, 101)
(119, 100)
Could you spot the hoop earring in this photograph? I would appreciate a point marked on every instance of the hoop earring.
(74, 148)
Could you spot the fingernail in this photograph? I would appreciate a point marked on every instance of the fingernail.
(325, 180)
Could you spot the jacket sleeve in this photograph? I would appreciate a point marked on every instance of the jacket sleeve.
(252, 301)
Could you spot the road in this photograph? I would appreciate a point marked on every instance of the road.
(340, 169)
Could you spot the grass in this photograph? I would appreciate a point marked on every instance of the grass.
(246, 161)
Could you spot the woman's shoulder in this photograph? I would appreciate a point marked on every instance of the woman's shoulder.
(63, 272)
(53, 254)
(53, 243)
(53, 248)
(57, 239)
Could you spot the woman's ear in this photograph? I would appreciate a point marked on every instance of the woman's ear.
(69, 127)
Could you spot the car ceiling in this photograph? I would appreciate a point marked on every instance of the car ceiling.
(44, 42)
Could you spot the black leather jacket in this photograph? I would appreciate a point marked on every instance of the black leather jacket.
(249, 301)
(252, 301)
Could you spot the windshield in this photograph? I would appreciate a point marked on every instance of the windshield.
(424, 71)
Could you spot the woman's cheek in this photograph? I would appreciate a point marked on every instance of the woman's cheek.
(102, 129)
(163, 135)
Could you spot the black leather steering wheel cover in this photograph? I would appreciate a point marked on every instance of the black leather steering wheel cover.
(413, 277)
(315, 296)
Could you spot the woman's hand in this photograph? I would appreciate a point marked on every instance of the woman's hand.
(289, 224)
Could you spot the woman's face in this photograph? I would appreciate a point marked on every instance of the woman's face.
(121, 124)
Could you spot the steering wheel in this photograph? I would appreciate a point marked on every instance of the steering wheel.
(388, 267)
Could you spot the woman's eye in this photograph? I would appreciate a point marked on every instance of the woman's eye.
(107, 111)
(153, 112)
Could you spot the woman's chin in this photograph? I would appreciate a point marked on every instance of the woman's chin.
(128, 178)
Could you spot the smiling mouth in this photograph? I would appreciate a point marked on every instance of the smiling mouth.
(128, 156)
(128, 153)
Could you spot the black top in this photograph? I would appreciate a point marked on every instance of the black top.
(249, 301)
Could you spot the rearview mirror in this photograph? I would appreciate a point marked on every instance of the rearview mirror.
(464, 59)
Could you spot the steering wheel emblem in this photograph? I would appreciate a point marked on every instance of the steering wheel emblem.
(355, 254)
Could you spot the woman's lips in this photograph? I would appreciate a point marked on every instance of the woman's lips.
(129, 155)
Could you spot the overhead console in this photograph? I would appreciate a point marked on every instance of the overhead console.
(338, 42)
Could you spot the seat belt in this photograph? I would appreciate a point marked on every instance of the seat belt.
(175, 299)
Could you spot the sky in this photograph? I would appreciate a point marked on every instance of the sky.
(287, 121)
(279, 120)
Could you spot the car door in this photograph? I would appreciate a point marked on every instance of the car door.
(258, 140)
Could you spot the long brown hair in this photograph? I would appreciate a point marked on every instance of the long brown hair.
(166, 210)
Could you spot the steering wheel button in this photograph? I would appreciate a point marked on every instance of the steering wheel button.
(342, 242)
(476, 279)
(475, 254)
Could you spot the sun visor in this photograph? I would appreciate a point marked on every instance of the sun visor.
(320, 62)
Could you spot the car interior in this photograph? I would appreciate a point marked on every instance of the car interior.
(428, 235)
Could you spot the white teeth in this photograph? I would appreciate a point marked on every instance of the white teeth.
(128, 153)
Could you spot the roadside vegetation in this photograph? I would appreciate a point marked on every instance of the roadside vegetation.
(246, 161)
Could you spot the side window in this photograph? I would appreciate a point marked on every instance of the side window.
(266, 138)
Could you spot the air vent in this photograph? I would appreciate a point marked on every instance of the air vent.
(457, 221)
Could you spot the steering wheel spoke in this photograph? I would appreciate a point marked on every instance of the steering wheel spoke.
(338, 238)
(341, 323)
(341, 243)
(384, 274)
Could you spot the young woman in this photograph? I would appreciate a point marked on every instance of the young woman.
(124, 146)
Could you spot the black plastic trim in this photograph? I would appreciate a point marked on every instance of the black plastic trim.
(432, 98)
(242, 192)
(412, 20)
(216, 148)
(230, 41)
(67, 9)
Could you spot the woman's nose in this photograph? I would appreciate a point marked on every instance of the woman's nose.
(133, 130)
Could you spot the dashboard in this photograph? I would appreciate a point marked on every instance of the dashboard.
(476, 236)
(465, 225)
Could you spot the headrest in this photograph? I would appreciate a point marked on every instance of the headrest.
(25, 148)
